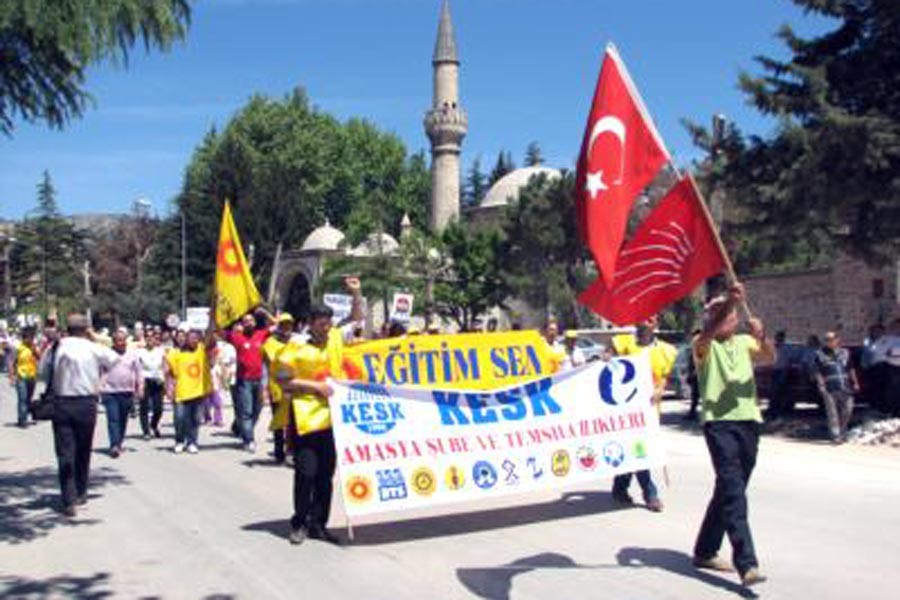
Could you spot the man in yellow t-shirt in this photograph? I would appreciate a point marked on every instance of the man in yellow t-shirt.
(23, 372)
(306, 369)
(189, 370)
(271, 349)
(662, 361)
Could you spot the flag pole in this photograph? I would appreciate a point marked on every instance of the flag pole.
(729, 266)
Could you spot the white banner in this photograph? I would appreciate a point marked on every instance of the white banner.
(341, 304)
(402, 448)
(401, 308)
(198, 317)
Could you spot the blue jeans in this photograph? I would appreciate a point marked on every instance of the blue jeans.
(187, 421)
(621, 483)
(24, 391)
(118, 406)
(248, 397)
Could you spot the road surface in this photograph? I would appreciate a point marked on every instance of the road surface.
(214, 525)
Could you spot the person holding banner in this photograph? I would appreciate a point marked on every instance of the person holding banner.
(731, 419)
(662, 361)
(309, 366)
(189, 371)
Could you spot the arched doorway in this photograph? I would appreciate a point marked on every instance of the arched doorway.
(298, 297)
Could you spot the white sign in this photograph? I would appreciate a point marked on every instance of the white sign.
(401, 448)
(341, 304)
(401, 308)
(198, 317)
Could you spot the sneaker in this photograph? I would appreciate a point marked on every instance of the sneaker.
(752, 576)
(297, 536)
(655, 505)
(69, 511)
(178, 449)
(250, 447)
(147, 437)
(193, 449)
(114, 452)
(320, 533)
(713, 563)
(81, 500)
(156, 433)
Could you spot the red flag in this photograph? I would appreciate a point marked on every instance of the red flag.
(671, 253)
(620, 155)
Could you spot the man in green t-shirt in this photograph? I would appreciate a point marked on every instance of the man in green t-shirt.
(731, 425)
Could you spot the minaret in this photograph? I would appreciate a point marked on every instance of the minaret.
(446, 125)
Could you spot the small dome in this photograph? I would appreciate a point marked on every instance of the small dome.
(512, 183)
(324, 238)
(370, 247)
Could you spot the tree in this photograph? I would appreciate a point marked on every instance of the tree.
(533, 156)
(503, 166)
(475, 282)
(543, 259)
(476, 185)
(46, 47)
(829, 177)
(47, 256)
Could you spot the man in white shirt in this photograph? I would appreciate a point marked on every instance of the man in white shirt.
(77, 364)
(152, 357)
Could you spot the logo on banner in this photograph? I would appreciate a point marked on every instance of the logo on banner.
(614, 454)
(587, 458)
(640, 449)
(618, 382)
(369, 408)
(455, 478)
(423, 481)
(391, 485)
(511, 477)
(537, 471)
(359, 489)
(561, 463)
(484, 475)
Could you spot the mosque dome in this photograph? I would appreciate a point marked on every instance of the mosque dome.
(370, 246)
(512, 183)
(324, 238)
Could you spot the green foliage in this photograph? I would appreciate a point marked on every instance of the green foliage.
(286, 167)
(533, 156)
(476, 184)
(46, 256)
(504, 165)
(46, 47)
(476, 282)
(829, 177)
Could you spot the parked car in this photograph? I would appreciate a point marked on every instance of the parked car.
(592, 350)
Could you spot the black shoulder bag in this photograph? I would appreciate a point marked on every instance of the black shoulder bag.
(43, 408)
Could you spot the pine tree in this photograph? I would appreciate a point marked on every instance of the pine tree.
(475, 184)
(533, 157)
(503, 166)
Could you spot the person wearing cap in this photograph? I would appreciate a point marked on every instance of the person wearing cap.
(76, 364)
(662, 361)
(573, 357)
(283, 334)
(731, 425)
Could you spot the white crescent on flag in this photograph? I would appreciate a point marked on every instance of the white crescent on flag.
(615, 126)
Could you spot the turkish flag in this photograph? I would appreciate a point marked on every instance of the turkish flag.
(620, 155)
(673, 251)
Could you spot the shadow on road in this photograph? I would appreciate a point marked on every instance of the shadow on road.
(680, 564)
(495, 583)
(29, 501)
(92, 587)
(574, 504)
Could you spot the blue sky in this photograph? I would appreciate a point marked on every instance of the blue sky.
(528, 72)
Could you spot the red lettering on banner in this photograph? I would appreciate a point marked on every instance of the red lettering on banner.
(459, 445)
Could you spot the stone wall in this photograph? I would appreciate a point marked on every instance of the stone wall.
(843, 296)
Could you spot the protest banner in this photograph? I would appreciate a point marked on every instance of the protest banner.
(401, 308)
(400, 448)
(197, 317)
(341, 304)
(464, 361)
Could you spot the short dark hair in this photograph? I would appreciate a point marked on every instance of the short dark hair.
(318, 311)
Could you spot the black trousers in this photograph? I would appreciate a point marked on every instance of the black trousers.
(74, 419)
(314, 462)
(278, 437)
(732, 448)
(151, 401)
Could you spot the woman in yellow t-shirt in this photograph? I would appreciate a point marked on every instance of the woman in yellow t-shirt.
(23, 373)
(189, 372)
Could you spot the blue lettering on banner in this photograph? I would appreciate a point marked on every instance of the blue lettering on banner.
(613, 454)
(484, 475)
(391, 485)
(537, 471)
(511, 477)
(481, 408)
(618, 382)
(369, 408)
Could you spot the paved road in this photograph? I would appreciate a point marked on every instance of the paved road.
(826, 520)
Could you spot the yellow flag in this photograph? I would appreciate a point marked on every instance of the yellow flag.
(236, 293)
